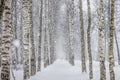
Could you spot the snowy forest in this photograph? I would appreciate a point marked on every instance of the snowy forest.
(59, 39)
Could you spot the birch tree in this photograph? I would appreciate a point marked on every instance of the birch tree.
(21, 34)
(6, 40)
(82, 38)
(111, 54)
(52, 32)
(70, 27)
(101, 42)
(67, 36)
(89, 41)
(46, 56)
(26, 23)
(40, 36)
(15, 57)
(0, 39)
(32, 46)
(2, 3)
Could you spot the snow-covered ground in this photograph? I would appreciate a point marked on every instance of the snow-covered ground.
(62, 70)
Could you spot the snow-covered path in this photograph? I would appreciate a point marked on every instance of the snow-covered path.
(60, 70)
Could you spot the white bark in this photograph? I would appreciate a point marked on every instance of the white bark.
(82, 38)
(40, 36)
(102, 42)
(46, 53)
(71, 26)
(89, 41)
(26, 23)
(111, 54)
(6, 40)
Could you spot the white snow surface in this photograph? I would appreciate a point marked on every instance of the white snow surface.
(62, 70)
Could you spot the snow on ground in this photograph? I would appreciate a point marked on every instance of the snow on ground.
(62, 70)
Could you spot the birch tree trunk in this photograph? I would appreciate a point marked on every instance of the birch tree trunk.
(102, 42)
(82, 38)
(6, 40)
(0, 39)
(26, 23)
(89, 41)
(111, 54)
(67, 31)
(54, 2)
(50, 29)
(71, 25)
(40, 37)
(32, 45)
(32, 50)
(2, 3)
(52, 35)
(21, 35)
(14, 23)
(46, 57)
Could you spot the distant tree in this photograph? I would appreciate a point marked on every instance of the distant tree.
(50, 27)
(46, 54)
(40, 36)
(32, 46)
(52, 31)
(70, 29)
(15, 60)
(0, 39)
(21, 33)
(82, 38)
(89, 41)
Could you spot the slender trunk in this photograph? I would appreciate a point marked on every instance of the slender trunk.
(82, 38)
(0, 38)
(111, 54)
(89, 41)
(46, 57)
(71, 25)
(67, 33)
(52, 51)
(40, 37)
(21, 38)
(14, 23)
(6, 41)
(102, 42)
(32, 46)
